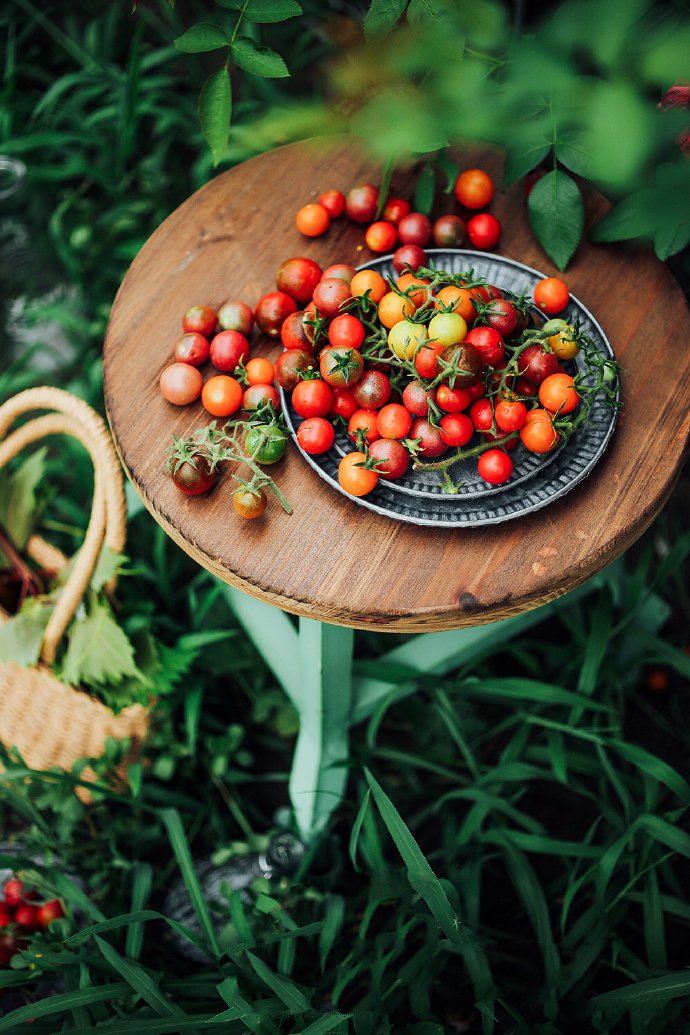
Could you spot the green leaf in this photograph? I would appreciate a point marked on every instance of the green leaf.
(522, 159)
(21, 637)
(98, 650)
(18, 500)
(419, 873)
(109, 565)
(258, 60)
(631, 217)
(180, 847)
(65, 1001)
(427, 12)
(141, 982)
(656, 992)
(264, 11)
(669, 240)
(356, 830)
(200, 38)
(286, 990)
(556, 213)
(214, 112)
(571, 151)
(382, 16)
(332, 925)
(424, 192)
(449, 168)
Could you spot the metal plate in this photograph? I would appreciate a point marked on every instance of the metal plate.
(418, 497)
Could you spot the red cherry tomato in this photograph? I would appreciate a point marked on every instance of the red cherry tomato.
(510, 416)
(535, 365)
(50, 911)
(481, 415)
(344, 403)
(361, 203)
(456, 429)
(476, 391)
(373, 391)
(489, 344)
(339, 271)
(315, 435)
(236, 316)
(453, 400)
(449, 232)
(381, 237)
(416, 398)
(200, 319)
(26, 917)
(505, 439)
(298, 278)
(297, 333)
(484, 230)
(431, 444)
(395, 209)
(312, 398)
(273, 309)
(410, 255)
(228, 348)
(289, 365)
(312, 220)
(474, 188)
(13, 892)
(426, 360)
(330, 294)
(180, 384)
(346, 331)
(495, 466)
(393, 459)
(551, 295)
(193, 479)
(415, 228)
(192, 348)
(363, 421)
(394, 421)
(259, 395)
(333, 201)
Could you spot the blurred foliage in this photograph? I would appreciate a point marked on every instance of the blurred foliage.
(520, 849)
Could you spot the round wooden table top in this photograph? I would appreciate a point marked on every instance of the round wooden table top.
(332, 559)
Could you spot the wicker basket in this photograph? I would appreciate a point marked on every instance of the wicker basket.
(48, 722)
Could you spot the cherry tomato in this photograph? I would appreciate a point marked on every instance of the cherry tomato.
(395, 209)
(346, 331)
(266, 443)
(474, 188)
(523, 387)
(260, 371)
(502, 438)
(510, 416)
(5, 917)
(371, 281)
(273, 309)
(395, 458)
(415, 228)
(181, 384)
(456, 429)
(312, 220)
(449, 231)
(50, 911)
(330, 294)
(453, 400)
(373, 391)
(298, 278)
(361, 203)
(458, 300)
(410, 256)
(341, 367)
(495, 466)
(476, 391)
(394, 421)
(535, 365)
(228, 348)
(484, 230)
(192, 348)
(258, 395)
(333, 201)
(416, 398)
(405, 337)
(551, 295)
(393, 308)
(431, 444)
(563, 342)
(358, 481)
(538, 433)
(297, 333)
(200, 319)
(466, 361)
(489, 344)
(502, 316)
(381, 237)
(222, 395)
(407, 281)
(26, 917)
(344, 403)
(289, 365)
(194, 476)
(13, 892)
(315, 435)
(557, 394)
(249, 504)
(426, 360)
(236, 316)
(339, 271)
(482, 414)
(447, 328)
(363, 421)
(312, 398)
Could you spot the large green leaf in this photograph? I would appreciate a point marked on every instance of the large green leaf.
(264, 11)
(556, 213)
(98, 650)
(258, 60)
(425, 190)
(522, 158)
(139, 980)
(383, 15)
(214, 112)
(21, 637)
(200, 38)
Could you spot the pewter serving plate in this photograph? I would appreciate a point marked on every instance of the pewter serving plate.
(418, 497)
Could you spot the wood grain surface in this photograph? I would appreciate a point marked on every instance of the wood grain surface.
(332, 559)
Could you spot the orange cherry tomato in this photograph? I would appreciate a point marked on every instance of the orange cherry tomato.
(260, 371)
(460, 299)
(312, 220)
(538, 434)
(371, 281)
(358, 481)
(558, 394)
(551, 295)
(394, 308)
(222, 395)
(474, 188)
(407, 281)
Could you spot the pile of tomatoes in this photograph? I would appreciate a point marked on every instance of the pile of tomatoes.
(396, 228)
(420, 364)
(21, 915)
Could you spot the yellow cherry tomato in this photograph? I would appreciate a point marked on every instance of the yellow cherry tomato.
(448, 328)
(405, 337)
(563, 342)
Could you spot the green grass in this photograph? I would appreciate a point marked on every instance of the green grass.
(514, 848)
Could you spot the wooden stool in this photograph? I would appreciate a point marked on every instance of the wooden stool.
(332, 560)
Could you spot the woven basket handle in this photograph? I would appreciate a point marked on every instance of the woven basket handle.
(108, 516)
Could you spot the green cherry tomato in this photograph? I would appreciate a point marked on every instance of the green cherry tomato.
(266, 443)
